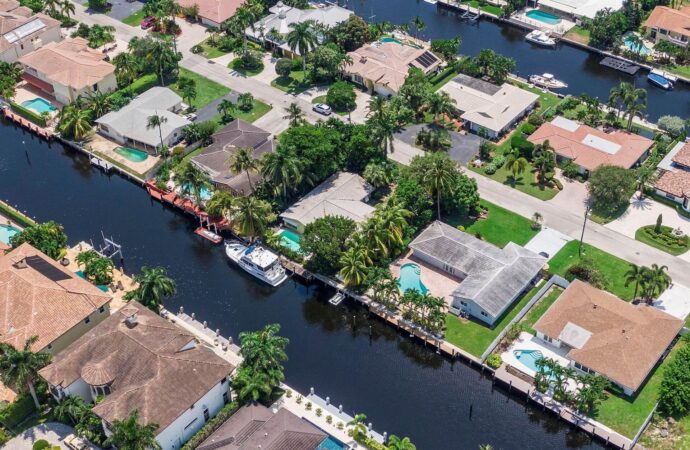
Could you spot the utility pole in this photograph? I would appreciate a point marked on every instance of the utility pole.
(584, 225)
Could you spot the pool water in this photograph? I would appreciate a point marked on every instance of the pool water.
(102, 287)
(290, 239)
(204, 192)
(6, 232)
(132, 154)
(39, 105)
(632, 46)
(398, 41)
(542, 16)
(410, 278)
(331, 443)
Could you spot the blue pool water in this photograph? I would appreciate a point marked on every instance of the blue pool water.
(392, 39)
(331, 443)
(39, 105)
(290, 239)
(6, 232)
(99, 286)
(205, 193)
(132, 154)
(542, 16)
(410, 278)
(632, 46)
(529, 358)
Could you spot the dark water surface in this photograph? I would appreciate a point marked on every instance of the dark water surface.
(577, 67)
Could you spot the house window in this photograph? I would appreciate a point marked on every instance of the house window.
(21, 46)
(206, 415)
(226, 398)
(463, 303)
(87, 320)
(484, 314)
(101, 309)
(224, 380)
(548, 339)
(95, 87)
(662, 31)
(50, 346)
(359, 79)
(671, 196)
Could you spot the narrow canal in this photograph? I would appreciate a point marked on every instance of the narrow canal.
(361, 363)
(577, 67)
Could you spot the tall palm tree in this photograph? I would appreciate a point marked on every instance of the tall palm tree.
(67, 8)
(19, 368)
(128, 434)
(635, 274)
(251, 216)
(153, 285)
(657, 281)
(377, 175)
(192, 181)
(302, 39)
(294, 114)
(251, 386)
(243, 161)
(157, 121)
(395, 443)
(98, 103)
(440, 104)
(51, 5)
(69, 409)
(127, 66)
(220, 203)
(438, 177)
(376, 106)
(377, 236)
(516, 163)
(354, 267)
(74, 122)
(645, 175)
(226, 108)
(213, 32)
(264, 350)
(383, 130)
(244, 18)
(357, 424)
(634, 100)
(635, 109)
(393, 217)
(419, 26)
(281, 169)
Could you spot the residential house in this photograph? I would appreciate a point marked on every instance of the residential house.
(382, 67)
(576, 10)
(669, 24)
(129, 125)
(343, 194)
(22, 31)
(605, 335)
(674, 181)
(491, 278)
(213, 160)
(136, 359)
(273, 28)
(68, 69)
(39, 297)
(255, 426)
(489, 109)
(589, 147)
(213, 12)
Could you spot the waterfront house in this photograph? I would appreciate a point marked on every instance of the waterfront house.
(213, 12)
(491, 278)
(273, 28)
(68, 69)
(255, 426)
(488, 108)
(382, 67)
(22, 32)
(575, 10)
(135, 359)
(602, 334)
(128, 125)
(669, 24)
(343, 194)
(213, 160)
(39, 297)
(589, 148)
(674, 180)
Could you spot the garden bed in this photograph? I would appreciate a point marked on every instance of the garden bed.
(663, 240)
(236, 65)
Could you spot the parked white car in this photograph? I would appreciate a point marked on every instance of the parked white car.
(322, 108)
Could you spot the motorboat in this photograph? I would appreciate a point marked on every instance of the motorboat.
(209, 235)
(337, 298)
(540, 38)
(257, 261)
(547, 80)
(661, 79)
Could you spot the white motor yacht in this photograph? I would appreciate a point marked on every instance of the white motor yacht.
(256, 260)
(540, 38)
(547, 80)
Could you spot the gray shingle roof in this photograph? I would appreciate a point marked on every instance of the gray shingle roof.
(492, 276)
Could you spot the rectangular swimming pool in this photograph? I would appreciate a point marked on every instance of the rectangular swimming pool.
(39, 105)
(543, 16)
(291, 240)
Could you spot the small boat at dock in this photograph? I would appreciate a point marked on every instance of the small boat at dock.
(257, 261)
(336, 299)
(661, 79)
(540, 38)
(547, 80)
(209, 235)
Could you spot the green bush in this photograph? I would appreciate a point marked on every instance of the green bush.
(494, 165)
(284, 67)
(40, 444)
(586, 271)
(674, 395)
(522, 145)
(535, 119)
(28, 114)
(17, 411)
(341, 96)
(368, 442)
(211, 426)
(528, 129)
(494, 361)
(143, 84)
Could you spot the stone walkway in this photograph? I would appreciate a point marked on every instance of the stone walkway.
(52, 432)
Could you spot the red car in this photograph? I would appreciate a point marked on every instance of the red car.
(148, 22)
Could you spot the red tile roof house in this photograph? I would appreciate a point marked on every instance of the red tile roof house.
(668, 24)
(135, 359)
(674, 182)
(589, 147)
(213, 12)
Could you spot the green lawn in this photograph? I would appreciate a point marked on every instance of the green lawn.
(578, 34)
(491, 9)
(683, 71)
(236, 65)
(258, 110)
(206, 90)
(524, 182)
(643, 236)
(135, 19)
(611, 267)
(547, 100)
(210, 52)
(500, 227)
(293, 84)
(474, 336)
(540, 308)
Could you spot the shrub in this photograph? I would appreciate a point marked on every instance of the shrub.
(288, 393)
(569, 169)
(318, 412)
(299, 399)
(674, 395)
(673, 125)
(522, 145)
(297, 63)
(196, 49)
(211, 426)
(249, 60)
(341, 96)
(340, 425)
(284, 67)
(535, 119)
(558, 183)
(495, 164)
(329, 419)
(494, 361)
(528, 129)
(28, 114)
(308, 406)
(41, 444)
(486, 148)
(585, 270)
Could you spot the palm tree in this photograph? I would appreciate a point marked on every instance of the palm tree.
(226, 108)
(220, 204)
(282, 169)
(376, 106)
(383, 130)
(153, 285)
(251, 386)
(126, 66)
(51, 5)
(294, 114)
(377, 236)
(393, 217)
(645, 175)
(243, 161)
(544, 160)
(212, 31)
(251, 216)
(440, 104)
(67, 8)
(486, 447)
(157, 121)
(74, 122)
(516, 163)
(419, 25)
(264, 352)
(187, 87)
(128, 434)
(98, 103)
(616, 96)
(656, 281)
(354, 267)
(438, 177)
(395, 443)
(377, 175)
(357, 424)
(19, 368)
(636, 274)
(635, 109)
(635, 101)
(192, 181)
(245, 16)
(301, 39)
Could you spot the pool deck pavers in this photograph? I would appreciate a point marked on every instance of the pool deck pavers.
(106, 147)
(52, 432)
(439, 283)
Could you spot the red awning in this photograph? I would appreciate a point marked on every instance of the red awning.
(42, 85)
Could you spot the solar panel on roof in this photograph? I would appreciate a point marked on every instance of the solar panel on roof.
(426, 59)
(46, 269)
(24, 30)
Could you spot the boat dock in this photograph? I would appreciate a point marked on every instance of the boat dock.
(45, 133)
(620, 65)
(188, 206)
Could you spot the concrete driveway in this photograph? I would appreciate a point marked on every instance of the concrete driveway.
(463, 146)
(121, 8)
(675, 301)
(52, 432)
(210, 111)
(548, 241)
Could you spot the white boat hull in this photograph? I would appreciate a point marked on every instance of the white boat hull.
(274, 277)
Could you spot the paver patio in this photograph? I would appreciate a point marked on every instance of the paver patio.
(439, 283)
(52, 432)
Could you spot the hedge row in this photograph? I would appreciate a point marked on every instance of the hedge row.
(211, 426)
(15, 215)
(28, 114)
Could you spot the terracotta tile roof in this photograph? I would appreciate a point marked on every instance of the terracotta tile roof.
(42, 298)
(583, 144)
(624, 342)
(70, 63)
(215, 10)
(682, 157)
(676, 183)
(676, 20)
(155, 366)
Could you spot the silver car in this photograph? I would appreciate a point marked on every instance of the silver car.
(322, 108)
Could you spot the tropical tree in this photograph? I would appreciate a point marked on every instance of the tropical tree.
(74, 123)
(213, 35)
(396, 443)
(245, 16)
(419, 26)
(51, 5)
(192, 181)
(357, 424)
(67, 8)
(153, 285)
(251, 216)
(187, 87)
(515, 163)
(245, 101)
(251, 386)
(49, 238)
(353, 267)
(383, 129)
(226, 108)
(656, 281)
(98, 103)
(635, 274)
(282, 169)
(220, 203)
(646, 174)
(294, 114)
(157, 121)
(377, 175)
(97, 268)
(127, 66)
(440, 104)
(19, 368)
(10, 75)
(544, 161)
(302, 39)
(264, 353)
(69, 409)
(438, 177)
(242, 160)
(128, 434)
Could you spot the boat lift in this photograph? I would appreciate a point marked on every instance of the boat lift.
(110, 248)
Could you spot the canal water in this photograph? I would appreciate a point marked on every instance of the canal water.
(577, 67)
(367, 366)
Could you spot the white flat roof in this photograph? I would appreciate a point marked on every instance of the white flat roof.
(582, 8)
(566, 124)
(574, 335)
(601, 144)
(667, 162)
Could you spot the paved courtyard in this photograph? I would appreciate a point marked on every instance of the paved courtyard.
(52, 432)
(439, 283)
(107, 148)
(463, 146)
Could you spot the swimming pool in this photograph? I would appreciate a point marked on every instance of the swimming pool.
(330, 443)
(529, 358)
(542, 16)
(398, 41)
(102, 287)
(290, 239)
(410, 278)
(39, 105)
(633, 46)
(204, 192)
(6, 232)
(132, 154)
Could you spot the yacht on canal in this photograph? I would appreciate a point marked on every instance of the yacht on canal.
(540, 38)
(661, 79)
(256, 260)
(547, 81)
